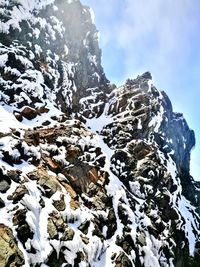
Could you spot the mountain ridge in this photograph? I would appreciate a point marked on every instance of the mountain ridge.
(91, 174)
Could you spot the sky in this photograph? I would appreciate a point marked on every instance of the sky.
(162, 37)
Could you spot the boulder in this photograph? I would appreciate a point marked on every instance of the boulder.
(4, 185)
(29, 113)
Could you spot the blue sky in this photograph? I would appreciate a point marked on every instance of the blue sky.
(162, 37)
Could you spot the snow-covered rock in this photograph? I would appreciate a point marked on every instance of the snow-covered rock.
(90, 174)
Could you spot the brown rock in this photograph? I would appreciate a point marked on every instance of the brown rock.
(29, 113)
(123, 261)
(51, 229)
(52, 164)
(57, 220)
(18, 115)
(60, 204)
(73, 153)
(85, 239)
(19, 193)
(93, 175)
(68, 234)
(10, 255)
(74, 203)
(42, 110)
(80, 176)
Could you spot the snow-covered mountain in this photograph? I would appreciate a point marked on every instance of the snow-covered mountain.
(91, 175)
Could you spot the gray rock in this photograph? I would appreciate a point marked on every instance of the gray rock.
(141, 238)
(4, 186)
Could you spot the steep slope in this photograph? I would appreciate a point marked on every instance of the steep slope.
(91, 174)
(49, 51)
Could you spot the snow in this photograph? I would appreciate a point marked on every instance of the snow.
(22, 11)
(98, 252)
(66, 50)
(3, 60)
(185, 208)
(36, 33)
(37, 220)
(114, 188)
(92, 15)
(97, 124)
(157, 120)
(139, 124)
(8, 121)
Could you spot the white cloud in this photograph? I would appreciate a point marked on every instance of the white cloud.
(156, 33)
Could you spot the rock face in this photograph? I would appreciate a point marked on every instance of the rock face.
(90, 174)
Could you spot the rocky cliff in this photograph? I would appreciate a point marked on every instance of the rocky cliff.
(90, 174)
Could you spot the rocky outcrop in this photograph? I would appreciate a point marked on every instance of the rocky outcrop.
(59, 55)
(90, 174)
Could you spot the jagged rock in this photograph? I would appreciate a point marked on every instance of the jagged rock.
(141, 239)
(68, 234)
(10, 255)
(18, 194)
(14, 175)
(60, 204)
(48, 182)
(126, 243)
(73, 153)
(85, 239)
(18, 115)
(110, 168)
(123, 261)
(51, 229)
(52, 164)
(74, 203)
(42, 110)
(57, 220)
(23, 229)
(46, 123)
(84, 227)
(112, 226)
(80, 175)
